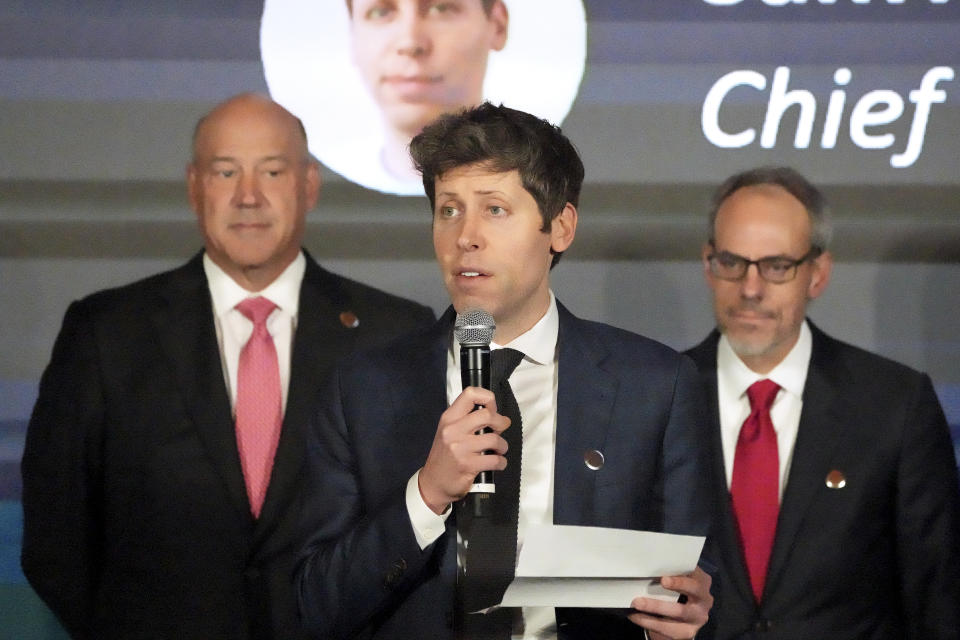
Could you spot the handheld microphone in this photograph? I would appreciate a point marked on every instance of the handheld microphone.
(474, 330)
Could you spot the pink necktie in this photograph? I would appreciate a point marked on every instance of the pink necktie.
(755, 486)
(259, 411)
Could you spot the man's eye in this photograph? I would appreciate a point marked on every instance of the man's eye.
(448, 212)
(442, 8)
(497, 210)
(225, 173)
(378, 13)
(779, 266)
(727, 260)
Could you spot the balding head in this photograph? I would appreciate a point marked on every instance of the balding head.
(249, 105)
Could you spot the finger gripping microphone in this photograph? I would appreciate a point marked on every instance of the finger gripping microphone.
(474, 330)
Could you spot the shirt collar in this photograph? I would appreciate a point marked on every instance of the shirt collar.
(283, 292)
(790, 373)
(538, 344)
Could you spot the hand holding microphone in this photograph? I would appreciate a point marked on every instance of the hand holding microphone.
(474, 330)
(469, 427)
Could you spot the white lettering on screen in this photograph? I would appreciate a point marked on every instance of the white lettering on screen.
(873, 109)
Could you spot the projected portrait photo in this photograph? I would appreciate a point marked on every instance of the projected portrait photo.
(365, 76)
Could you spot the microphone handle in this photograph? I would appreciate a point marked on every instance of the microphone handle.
(475, 372)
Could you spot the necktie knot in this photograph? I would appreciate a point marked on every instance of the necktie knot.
(257, 310)
(502, 363)
(761, 394)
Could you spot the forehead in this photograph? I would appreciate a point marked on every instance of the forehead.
(248, 132)
(359, 6)
(479, 179)
(762, 220)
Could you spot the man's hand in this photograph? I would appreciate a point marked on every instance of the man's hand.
(675, 620)
(456, 457)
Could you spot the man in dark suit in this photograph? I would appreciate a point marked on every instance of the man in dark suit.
(610, 424)
(146, 515)
(855, 532)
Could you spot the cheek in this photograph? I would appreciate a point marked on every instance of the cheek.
(725, 294)
(463, 51)
(364, 51)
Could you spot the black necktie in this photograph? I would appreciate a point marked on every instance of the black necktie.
(490, 542)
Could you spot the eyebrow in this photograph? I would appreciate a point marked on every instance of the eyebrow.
(776, 256)
(481, 192)
(280, 157)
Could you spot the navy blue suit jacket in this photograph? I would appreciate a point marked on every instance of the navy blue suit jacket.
(879, 558)
(363, 573)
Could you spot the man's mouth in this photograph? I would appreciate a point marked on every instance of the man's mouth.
(751, 315)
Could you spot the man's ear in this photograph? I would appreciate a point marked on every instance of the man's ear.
(563, 228)
(501, 20)
(313, 183)
(822, 267)
(193, 188)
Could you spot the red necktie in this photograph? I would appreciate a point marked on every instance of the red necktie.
(755, 486)
(259, 411)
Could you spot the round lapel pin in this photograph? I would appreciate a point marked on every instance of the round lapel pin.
(836, 480)
(349, 319)
(593, 459)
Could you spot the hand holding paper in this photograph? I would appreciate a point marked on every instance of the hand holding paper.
(567, 566)
(676, 620)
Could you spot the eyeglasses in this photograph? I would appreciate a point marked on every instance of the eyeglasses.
(775, 269)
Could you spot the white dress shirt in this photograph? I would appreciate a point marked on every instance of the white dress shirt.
(234, 328)
(536, 373)
(733, 379)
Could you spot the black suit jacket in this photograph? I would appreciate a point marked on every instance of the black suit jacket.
(879, 558)
(136, 522)
(363, 573)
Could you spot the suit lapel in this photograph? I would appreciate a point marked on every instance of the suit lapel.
(725, 524)
(186, 332)
(820, 428)
(585, 397)
(421, 365)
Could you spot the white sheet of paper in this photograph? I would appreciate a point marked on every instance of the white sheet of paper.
(567, 566)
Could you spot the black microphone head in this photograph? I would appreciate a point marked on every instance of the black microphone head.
(474, 326)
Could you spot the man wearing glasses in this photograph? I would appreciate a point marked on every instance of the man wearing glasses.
(835, 486)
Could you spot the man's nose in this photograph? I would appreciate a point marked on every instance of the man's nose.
(752, 284)
(247, 193)
(470, 237)
(413, 37)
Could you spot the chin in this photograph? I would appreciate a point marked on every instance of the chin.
(749, 346)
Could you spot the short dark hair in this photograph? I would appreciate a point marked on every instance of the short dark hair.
(789, 179)
(487, 6)
(503, 139)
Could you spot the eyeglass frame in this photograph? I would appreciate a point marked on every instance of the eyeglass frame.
(794, 264)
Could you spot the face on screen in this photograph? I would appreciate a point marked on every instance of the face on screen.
(422, 58)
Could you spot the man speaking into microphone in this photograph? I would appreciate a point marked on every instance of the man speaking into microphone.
(588, 424)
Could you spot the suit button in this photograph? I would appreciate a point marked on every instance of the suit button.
(762, 626)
